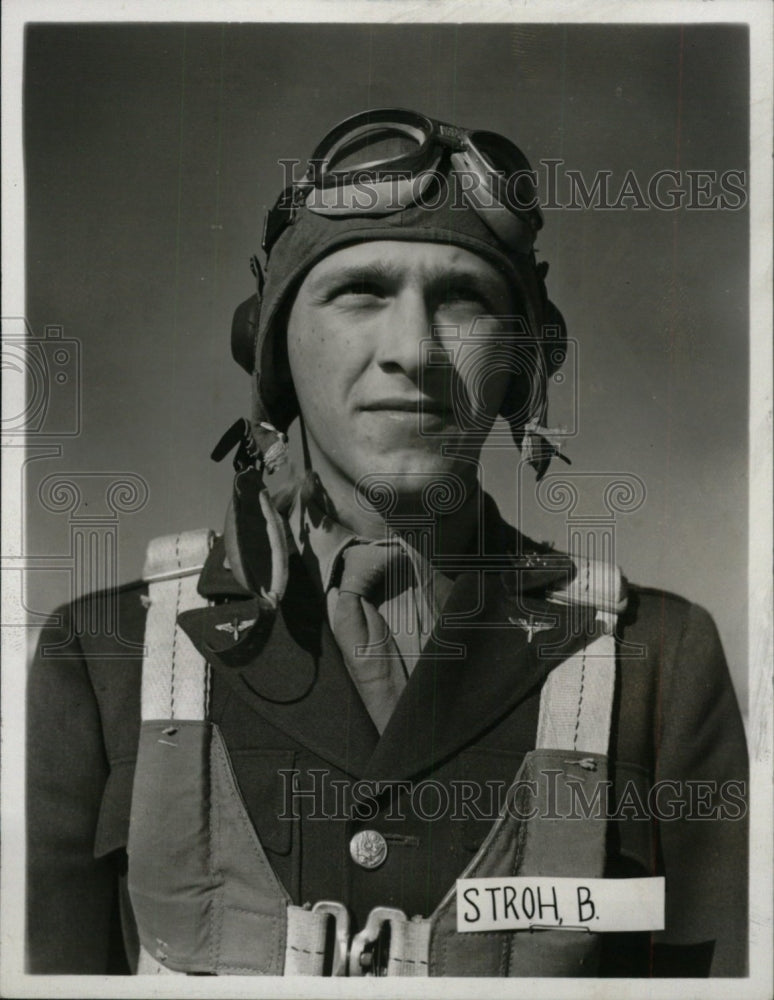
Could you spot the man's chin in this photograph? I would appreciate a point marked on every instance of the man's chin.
(424, 483)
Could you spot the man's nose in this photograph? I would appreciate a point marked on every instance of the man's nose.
(408, 329)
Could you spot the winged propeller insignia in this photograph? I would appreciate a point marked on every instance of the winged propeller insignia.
(235, 626)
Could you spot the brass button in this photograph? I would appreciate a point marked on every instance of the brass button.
(368, 849)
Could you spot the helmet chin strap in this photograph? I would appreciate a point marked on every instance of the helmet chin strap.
(312, 492)
(233, 554)
(254, 532)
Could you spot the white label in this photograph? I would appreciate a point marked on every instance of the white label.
(596, 904)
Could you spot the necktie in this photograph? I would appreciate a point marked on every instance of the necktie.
(362, 634)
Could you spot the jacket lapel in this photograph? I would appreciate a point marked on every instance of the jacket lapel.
(510, 641)
(288, 668)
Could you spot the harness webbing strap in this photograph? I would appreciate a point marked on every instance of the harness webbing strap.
(577, 698)
(409, 948)
(175, 678)
(305, 943)
(576, 702)
(597, 583)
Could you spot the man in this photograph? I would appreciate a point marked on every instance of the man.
(370, 686)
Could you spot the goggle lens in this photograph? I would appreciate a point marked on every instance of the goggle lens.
(372, 148)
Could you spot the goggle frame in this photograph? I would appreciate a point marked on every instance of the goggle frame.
(396, 182)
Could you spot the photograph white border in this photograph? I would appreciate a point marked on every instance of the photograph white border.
(758, 15)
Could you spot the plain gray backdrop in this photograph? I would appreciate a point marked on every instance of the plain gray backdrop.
(151, 154)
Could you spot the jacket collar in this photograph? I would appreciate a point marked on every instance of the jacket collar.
(482, 660)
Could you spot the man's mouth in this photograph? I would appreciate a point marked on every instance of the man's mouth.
(418, 405)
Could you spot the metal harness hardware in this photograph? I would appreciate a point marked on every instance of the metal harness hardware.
(340, 915)
(356, 956)
(361, 959)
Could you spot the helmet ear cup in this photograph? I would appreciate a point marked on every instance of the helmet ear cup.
(527, 395)
(244, 332)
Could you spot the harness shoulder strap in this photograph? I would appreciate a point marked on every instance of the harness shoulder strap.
(175, 677)
(597, 583)
(577, 698)
(175, 686)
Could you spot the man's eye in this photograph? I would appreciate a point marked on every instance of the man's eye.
(360, 289)
(464, 295)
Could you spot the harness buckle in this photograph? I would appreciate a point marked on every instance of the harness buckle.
(361, 961)
(340, 916)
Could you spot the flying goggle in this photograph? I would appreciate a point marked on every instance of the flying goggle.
(384, 161)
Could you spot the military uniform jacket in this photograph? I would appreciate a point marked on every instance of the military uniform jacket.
(313, 770)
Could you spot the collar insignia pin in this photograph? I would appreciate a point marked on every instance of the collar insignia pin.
(235, 626)
(531, 626)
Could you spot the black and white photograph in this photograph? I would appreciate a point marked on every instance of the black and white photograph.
(387, 500)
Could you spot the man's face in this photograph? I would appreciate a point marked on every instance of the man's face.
(398, 360)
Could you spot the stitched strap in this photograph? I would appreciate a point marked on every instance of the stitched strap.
(175, 678)
(305, 942)
(409, 948)
(597, 583)
(576, 702)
